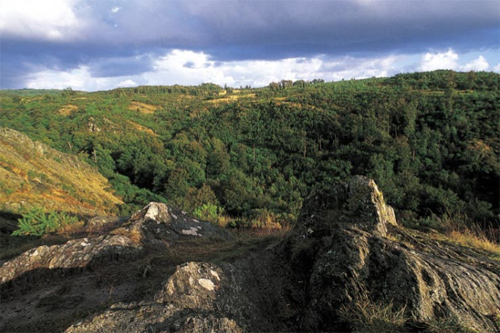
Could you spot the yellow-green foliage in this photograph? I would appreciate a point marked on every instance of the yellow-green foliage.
(32, 173)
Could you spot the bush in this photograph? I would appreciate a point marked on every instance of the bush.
(37, 223)
(208, 212)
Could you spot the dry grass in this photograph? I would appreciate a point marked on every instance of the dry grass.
(142, 107)
(67, 110)
(141, 128)
(71, 229)
(474, 239)
(458, 229)
(34, 173)
(369, 316)
(135, 235)
(231, 98)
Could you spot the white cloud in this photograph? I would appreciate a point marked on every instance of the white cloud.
(440, 60)
(48, 19)
(479, 64)
(187, 67)
(127, 83)
(78, 79)
(451, 60)
(192, 68)
(497, 68)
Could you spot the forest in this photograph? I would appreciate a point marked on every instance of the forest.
(250, 156)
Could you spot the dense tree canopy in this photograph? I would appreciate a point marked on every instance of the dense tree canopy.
(430, 140)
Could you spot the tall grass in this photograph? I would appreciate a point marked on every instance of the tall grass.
(461, 230)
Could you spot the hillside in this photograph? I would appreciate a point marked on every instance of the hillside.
(33, 174)
(430, 140)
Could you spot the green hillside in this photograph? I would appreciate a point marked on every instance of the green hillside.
(430, 140)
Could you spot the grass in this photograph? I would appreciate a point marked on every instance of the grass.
(369, 316)
(134, 234)
(476, 240)
(458, 229)
(35, 174)
(448, 325)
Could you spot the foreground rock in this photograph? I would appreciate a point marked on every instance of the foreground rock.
(346, 266)
(155, 224)
(75, 254)
(158, 222)
(188, 302)
(341, 247)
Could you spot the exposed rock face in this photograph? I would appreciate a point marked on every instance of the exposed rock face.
(346, 249)
(342, 250)
(157, 221)
(153, 224)
(188, 302)
(77, 253)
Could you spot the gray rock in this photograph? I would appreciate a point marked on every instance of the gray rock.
(188, 302)
(341, 246)
(157, 221)
(77, 253)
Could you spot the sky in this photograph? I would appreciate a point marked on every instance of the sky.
(95, 45)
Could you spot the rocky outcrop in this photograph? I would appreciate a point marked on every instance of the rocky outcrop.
(77, 253)
(346, 254)
(188, 302)
(153, 225)
(158, 222)
(342, 248)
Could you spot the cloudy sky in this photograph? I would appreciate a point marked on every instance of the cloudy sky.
(103, 44)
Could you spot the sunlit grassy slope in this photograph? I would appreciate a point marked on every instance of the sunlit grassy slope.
(32, 173)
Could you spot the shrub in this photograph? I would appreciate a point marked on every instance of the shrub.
(208, 212)
(37, 223)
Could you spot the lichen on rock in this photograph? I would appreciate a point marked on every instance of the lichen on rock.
(348, 260)
(74, 254)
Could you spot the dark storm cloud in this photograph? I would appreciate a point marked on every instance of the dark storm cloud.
(277, 29)
(120, 37)
(121, 66)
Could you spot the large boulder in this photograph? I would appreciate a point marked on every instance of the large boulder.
(346, 244)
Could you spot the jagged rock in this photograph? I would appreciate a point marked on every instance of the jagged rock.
(187, 303)
(193, 286)
(342, 250)
(345, 250)
(154, 222)
(77, 253)
(157, 221)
